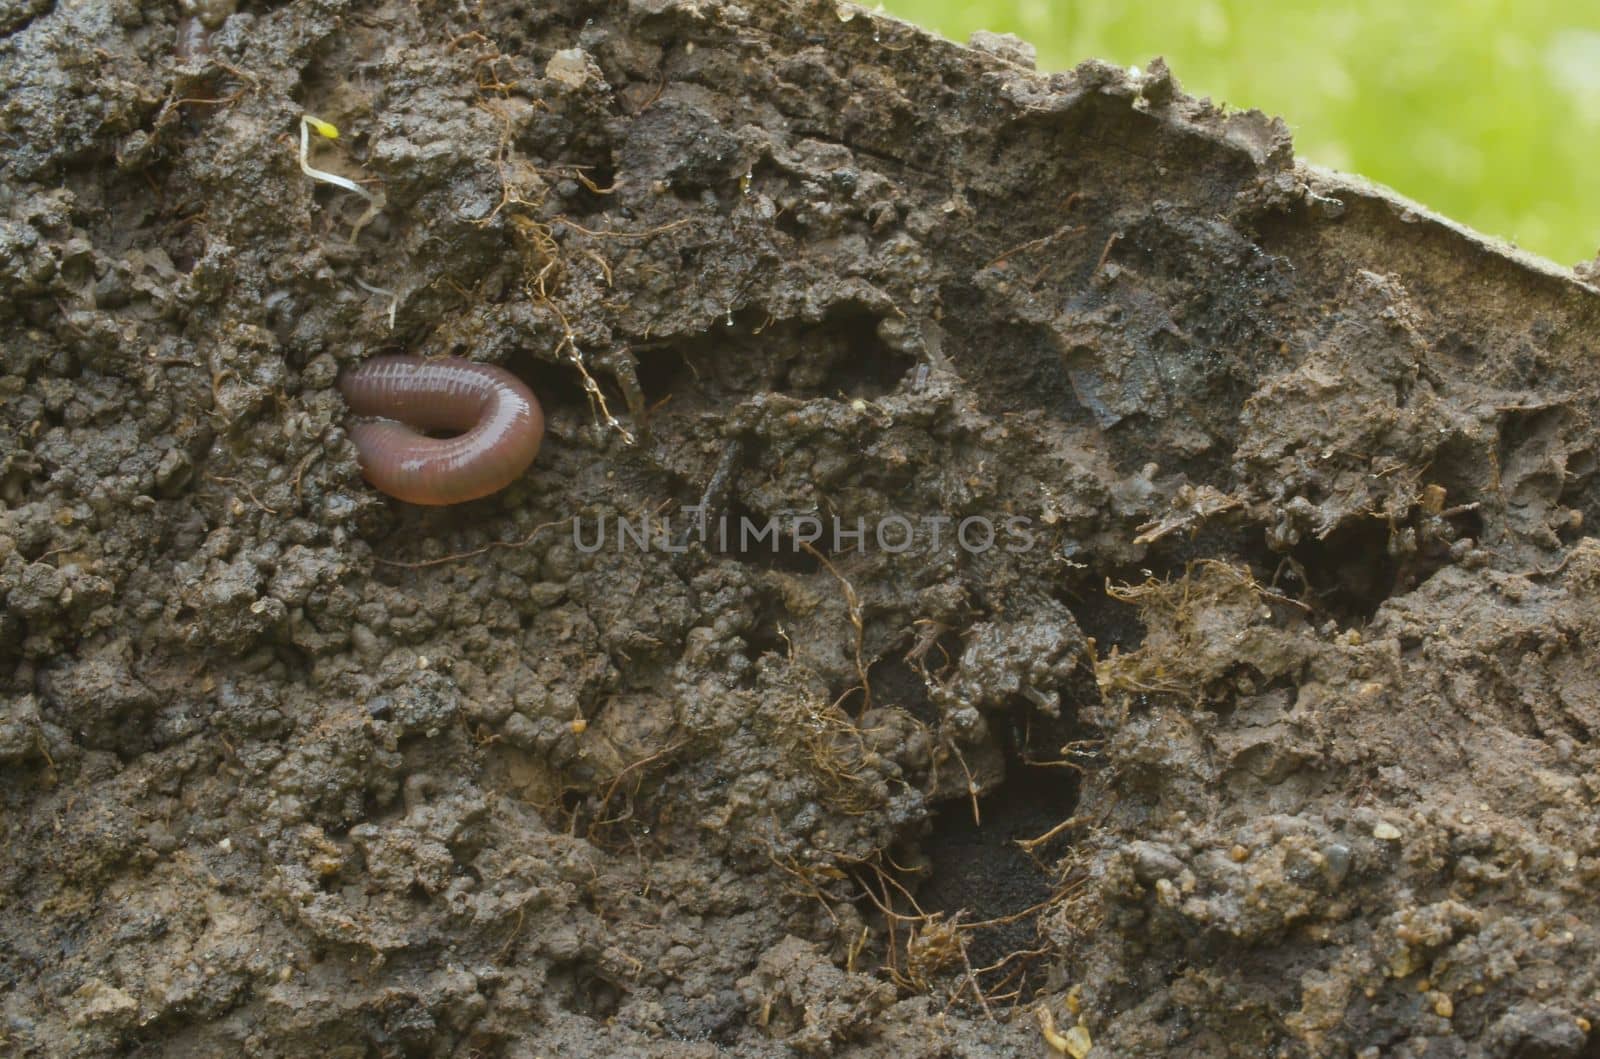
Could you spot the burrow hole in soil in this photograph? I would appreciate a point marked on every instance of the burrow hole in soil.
(582, 989)
(843, 356)
(558, 385)
(1351, 572)
(977, 868)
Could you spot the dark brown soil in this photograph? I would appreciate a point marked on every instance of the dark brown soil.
(1267, 727)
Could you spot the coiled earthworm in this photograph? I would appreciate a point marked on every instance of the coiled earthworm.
(402, 397)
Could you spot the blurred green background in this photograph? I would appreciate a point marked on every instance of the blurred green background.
(1484, 110)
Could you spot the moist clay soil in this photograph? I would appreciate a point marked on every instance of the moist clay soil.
(1264, 725)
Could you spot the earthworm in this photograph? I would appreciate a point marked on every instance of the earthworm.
(200, 19)
(401, 398)
(193, 42)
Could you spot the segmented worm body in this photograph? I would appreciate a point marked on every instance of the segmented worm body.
(193, 41)
(200, 19)
(402, 398)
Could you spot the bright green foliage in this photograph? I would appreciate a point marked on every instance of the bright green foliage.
(1487, 111)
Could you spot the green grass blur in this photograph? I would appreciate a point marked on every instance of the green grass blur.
(1484, 110)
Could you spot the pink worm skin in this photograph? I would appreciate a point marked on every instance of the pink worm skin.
(401, 397)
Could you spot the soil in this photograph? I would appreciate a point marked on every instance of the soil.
(1268, 728)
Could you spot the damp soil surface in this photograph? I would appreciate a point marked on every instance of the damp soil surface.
(1171, 630)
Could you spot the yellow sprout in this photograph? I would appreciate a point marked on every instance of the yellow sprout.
(331, 132)
(323, 128)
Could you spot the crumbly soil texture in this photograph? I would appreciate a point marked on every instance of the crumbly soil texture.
(1171, 630)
